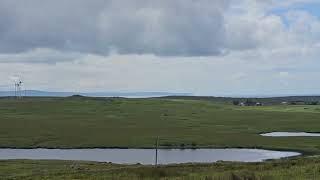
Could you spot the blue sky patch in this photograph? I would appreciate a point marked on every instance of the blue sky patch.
(312, 8)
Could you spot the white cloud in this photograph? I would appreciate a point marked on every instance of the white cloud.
(263, 52)
(284, 74)
(236, 73)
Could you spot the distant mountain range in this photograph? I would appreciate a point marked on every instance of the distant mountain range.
(93, 94)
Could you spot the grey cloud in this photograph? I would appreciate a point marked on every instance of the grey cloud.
(174, 28)
(40, 55)
(48, 24)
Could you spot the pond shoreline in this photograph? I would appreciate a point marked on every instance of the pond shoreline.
(302, 152)
(146, 156)
(264, 132)
(290, 134)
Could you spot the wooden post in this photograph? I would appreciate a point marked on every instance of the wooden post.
(156, 159)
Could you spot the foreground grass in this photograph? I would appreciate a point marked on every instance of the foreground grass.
(78, 122)
(301, 168)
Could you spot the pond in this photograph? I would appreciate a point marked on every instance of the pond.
(291, 134)
(147, 156)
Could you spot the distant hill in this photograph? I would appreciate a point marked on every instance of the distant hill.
(268, 100)
(167, 95)
(93, 94)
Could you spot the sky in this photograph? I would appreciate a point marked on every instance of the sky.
(204, 47)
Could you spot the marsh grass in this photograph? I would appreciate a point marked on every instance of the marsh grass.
(299, 168)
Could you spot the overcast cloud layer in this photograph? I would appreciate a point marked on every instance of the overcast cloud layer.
(206, 47)
(177, 28)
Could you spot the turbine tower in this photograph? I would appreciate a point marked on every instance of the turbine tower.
(18, 89)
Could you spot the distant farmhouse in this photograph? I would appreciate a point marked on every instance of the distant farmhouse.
(247, 103)
(251, 102)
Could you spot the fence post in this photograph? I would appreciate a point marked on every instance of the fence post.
(156, 159)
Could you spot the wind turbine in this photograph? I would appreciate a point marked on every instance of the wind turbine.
(18, 88)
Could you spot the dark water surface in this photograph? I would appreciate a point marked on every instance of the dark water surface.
(147, 156)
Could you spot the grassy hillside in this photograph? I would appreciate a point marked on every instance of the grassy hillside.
(116, 122)
(296, 169)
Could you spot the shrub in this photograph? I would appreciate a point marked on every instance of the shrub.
(194, 144)
(236, 103)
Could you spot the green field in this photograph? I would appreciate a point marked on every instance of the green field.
(83, 122)
(79, 122)
(293, 169)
